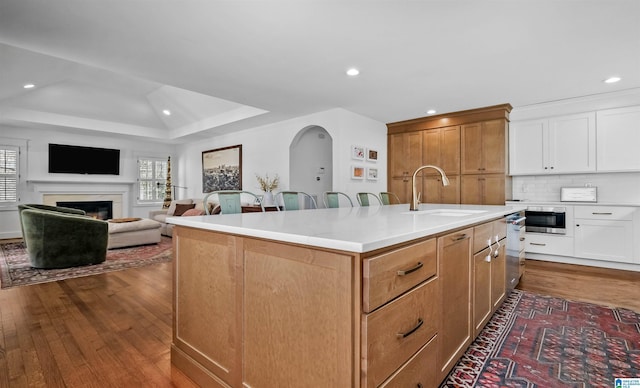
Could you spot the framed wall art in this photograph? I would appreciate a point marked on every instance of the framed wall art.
(357, 172)
(372, 174)
(357, 152)
(372, 155)
(222, 169)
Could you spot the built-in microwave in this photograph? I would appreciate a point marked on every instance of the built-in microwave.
(543, 219)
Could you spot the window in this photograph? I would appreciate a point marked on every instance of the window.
(8, 174)
(152, 177)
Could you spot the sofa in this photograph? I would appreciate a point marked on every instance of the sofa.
(59, 237)
(181, 208)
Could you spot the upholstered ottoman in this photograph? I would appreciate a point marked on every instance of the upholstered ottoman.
(128, 232)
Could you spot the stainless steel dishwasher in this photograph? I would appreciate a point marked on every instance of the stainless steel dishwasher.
(515, 248)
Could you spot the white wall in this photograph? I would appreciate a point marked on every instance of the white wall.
(266, 150)
(34, 176)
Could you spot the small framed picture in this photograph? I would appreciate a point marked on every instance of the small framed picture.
(372, 155)
(372, 174)
(357, 172)
(357, 152)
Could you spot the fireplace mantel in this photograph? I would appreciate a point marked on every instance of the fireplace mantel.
(119, 192)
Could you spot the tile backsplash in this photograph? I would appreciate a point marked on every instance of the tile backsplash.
(612, 187)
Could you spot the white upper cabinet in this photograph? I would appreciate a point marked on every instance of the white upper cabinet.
(557, 145)
(619, 139)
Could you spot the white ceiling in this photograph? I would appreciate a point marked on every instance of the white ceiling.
(223, 66)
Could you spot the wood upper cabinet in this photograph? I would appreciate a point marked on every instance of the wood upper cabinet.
(461, 143)
(483, 189)
(434, 192)
(405, 154)
(483, 147)
(454, 255)
(441, 147)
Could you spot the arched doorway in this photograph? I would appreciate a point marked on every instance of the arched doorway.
(311, 162)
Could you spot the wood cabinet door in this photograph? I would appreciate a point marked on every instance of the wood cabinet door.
(455, 258)
(487, 189)
(494, 146)
(299, 317)
(434, 192)
(401, 186)
(481, 289)
(405, 153)
(484, 147)
(441, 147)
(499, 276)
(207, 286)
(471, 149)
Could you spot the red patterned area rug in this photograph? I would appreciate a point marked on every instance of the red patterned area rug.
(547, 342)
(15, 269)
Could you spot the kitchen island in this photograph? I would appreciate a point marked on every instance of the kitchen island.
(348, 297)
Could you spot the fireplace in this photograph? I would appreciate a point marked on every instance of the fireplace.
(102, 210)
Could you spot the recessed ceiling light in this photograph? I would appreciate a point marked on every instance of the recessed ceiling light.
(612, 80)
(353, 72)
(29, 86)
(431, 111)
(166, 112)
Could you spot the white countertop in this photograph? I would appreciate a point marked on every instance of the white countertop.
(357, 229)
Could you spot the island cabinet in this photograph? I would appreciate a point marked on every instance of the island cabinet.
(454, 255)
(400, 316)
(489, 271)
(251, 312)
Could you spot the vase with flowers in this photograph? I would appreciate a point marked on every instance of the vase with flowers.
(268, 185)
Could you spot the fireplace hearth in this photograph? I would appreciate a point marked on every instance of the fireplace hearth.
(101, 210)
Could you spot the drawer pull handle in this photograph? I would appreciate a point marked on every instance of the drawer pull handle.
(460, 237)
(539, 244)
(602, 214)
(408, 271)
(405, 335)
(419, 385)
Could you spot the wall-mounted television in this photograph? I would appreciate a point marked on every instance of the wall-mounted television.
(70, 159)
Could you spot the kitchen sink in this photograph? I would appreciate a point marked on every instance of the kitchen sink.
(447, 212)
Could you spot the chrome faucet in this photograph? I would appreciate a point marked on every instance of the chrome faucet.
(414, 193)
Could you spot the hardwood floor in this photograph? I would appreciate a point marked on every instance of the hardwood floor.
(109, 330)
(114, 329)
(601, 286)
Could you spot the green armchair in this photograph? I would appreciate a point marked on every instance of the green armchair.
(56, 237)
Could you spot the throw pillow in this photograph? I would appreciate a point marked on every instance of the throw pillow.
(181, 208)
(193, 212)
(172, 207)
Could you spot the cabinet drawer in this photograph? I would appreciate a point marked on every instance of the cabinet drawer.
(490, 230)
(604, 212)
(391, 334)
(549, 244)
(419, 371)
(391, 274)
